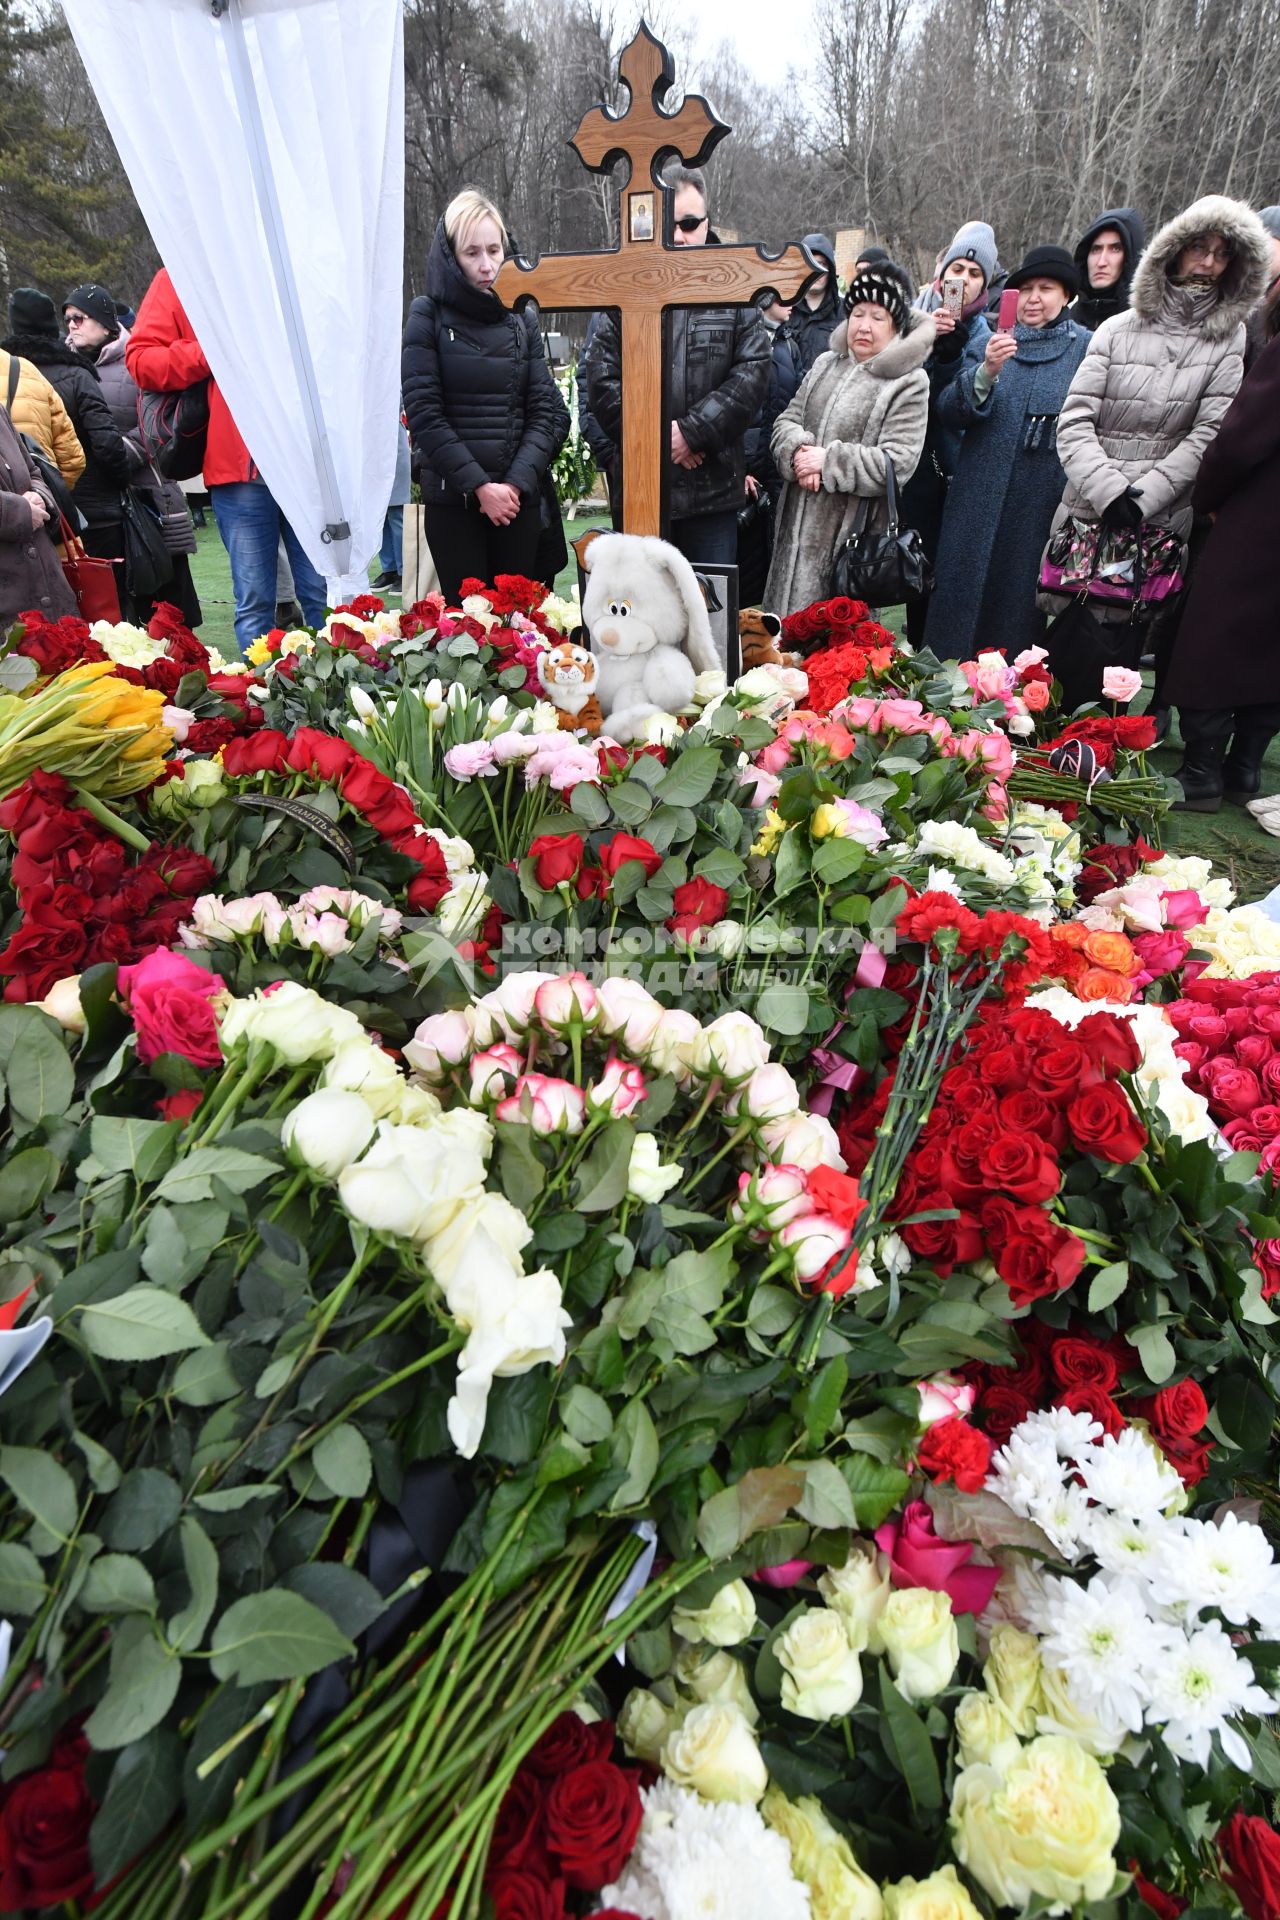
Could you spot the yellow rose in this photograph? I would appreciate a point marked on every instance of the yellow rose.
(859, 1592)
(728, 1620)
(823, 1859)
(920, 1637)
(941, 1897)
(1060, 1713)
(1045, 1828)
(714, 1752)
(822, 1675)
(644, 1724)
(986, 1733)
(717, 1678)
(1012, 1676)
(828, 820)
(772, 828)
(803, 1825)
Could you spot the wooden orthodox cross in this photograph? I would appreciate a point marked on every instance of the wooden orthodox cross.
(645, 276)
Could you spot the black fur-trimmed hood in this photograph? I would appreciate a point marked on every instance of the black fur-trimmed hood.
(46, 350)
(1244, 280)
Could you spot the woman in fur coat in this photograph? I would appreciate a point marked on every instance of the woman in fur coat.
(866, 397)
(1008, 479)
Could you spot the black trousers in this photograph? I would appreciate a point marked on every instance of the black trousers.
(464, 544)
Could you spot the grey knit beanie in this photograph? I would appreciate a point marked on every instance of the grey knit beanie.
(975, 241)
(1270, 218)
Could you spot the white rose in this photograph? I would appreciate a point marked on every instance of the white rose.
(944, 1397)
(667, 1048)
(441, 1041)
(822, 1675)
(717, 1679)
(413, 1180)
(649, 1177)
(986, 1734)
(506, 1228)
(291, 1018)
(919, 1633)
(517, 1321)
(714, 1752)
(645, 1723)
(859, 1592)
(62, 1003)
(724, 1622)
(418, 1106)
(660, 729)
(464, 907)
(628, 1011)
(725, 938)
(328, 1130)
(320, 933)
(770, 1094)
(360, 1067)
(506, 1012)
(942, 1896)
(803, 1140)
(730, 1047)
(709, 686)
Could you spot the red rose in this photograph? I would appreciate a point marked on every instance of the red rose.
(364, 785)
(1178, 1412)
(518, 1895)
(1081, 1362)
(625, 846)
(1234, 1091)
(1105, 867)
(311, 751)
(180, 1105)
(427, 891)
(1167, 1905)
(1022, 1167)
(570, 1742)
(1104, 1124)
(44, 1834)
(836, 1195)
(592, 1819)
(557, 858)
(1002, 1409)
(1250, 1850)
(1037, 1257)
(1059, 1072)
(1098, 1404)
(517, 1834)
(698, 903)
(169, 1002)
(184, 872)
(1109, 1042)
(592, 882)
(262, 752)
(953, 1450)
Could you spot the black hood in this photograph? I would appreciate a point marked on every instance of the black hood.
(45, 350)
(1127, 222)
(448, 284)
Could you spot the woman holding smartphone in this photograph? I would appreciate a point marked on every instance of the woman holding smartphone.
(482, 408)
(866, 397)
(1008, 479)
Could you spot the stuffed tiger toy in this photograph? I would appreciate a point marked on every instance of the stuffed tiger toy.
(567, 675)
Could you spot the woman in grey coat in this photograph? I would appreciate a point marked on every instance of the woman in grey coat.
(866, 397)
(1008, 479)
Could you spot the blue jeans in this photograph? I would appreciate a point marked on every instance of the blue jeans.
(391, 559)
(709, 539)
(252, 526)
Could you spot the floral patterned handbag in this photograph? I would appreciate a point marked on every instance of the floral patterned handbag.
(1120, 565)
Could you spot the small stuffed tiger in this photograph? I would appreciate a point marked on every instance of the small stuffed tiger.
(758, 637)
(567, 675)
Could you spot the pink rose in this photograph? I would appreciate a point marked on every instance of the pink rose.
(774, 757)
(860, 713)
(860, 824)
(1161, 953)
(1183, 908)
(764, 785)
(170, 1003)
(918, 1558)
(1241, 1137)
(1265, 1121)
(1235, 1089)
(490, 1072)
(1030, 657)
(1270, 1156)
(1271, 1077)
(1120, 684)
(469, 758)
(945, 1397)
(786, 1575)
(619, 1090)
(898, 716)
(1254, 1050)
(544, 1103)
(567, 1002)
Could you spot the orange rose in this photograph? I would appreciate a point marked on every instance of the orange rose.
(1071, 934)
(879, 659)
(1112, 950)
(837, 740)
(1099, 983)
(1034, 696)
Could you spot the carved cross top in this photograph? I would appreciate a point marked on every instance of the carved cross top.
(645, 275)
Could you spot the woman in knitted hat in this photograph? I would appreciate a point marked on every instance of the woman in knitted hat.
(1008, 479)
(866, 397)
(98, 336)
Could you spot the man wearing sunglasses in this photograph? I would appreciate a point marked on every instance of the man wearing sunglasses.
(717, 377)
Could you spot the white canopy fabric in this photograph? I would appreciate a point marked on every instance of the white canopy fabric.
(265, 145)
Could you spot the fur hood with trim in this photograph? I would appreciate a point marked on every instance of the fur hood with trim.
(904, 353)
(1243, 281)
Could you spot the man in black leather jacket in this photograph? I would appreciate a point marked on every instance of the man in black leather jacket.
(718, 377)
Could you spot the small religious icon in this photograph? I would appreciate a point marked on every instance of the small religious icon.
(640, 207)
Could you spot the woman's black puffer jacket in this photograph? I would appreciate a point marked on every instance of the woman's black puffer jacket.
(98, 491)
(478, 393)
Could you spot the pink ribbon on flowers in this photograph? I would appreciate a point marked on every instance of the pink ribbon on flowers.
(838, 1074)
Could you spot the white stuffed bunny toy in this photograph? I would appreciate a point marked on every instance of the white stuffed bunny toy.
(647, 619)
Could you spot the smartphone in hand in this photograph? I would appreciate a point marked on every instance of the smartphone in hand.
(1008, 315)
(953, 296)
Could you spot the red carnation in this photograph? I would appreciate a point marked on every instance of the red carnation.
(953, 1450)
(1250, 1849)
(836, 1195)
(592, 1819)
(557, 858)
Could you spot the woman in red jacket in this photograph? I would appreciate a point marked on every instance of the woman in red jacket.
(164, 355)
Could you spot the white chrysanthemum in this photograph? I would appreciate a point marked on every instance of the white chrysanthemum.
(1125, 1546)
(964, 847)
(1228, 1565)
(1195, 1692)
(1127, 1475)
(697, 1860)
(1102, 1637)
(1071, 1433)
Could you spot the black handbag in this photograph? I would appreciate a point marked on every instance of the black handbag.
(881, 568)
(1082, 646)
(148, 565)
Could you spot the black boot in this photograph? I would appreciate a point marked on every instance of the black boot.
(1256, 728)
(1163, 717)
(1206, 732)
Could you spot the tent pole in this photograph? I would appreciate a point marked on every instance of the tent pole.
(337, 531)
